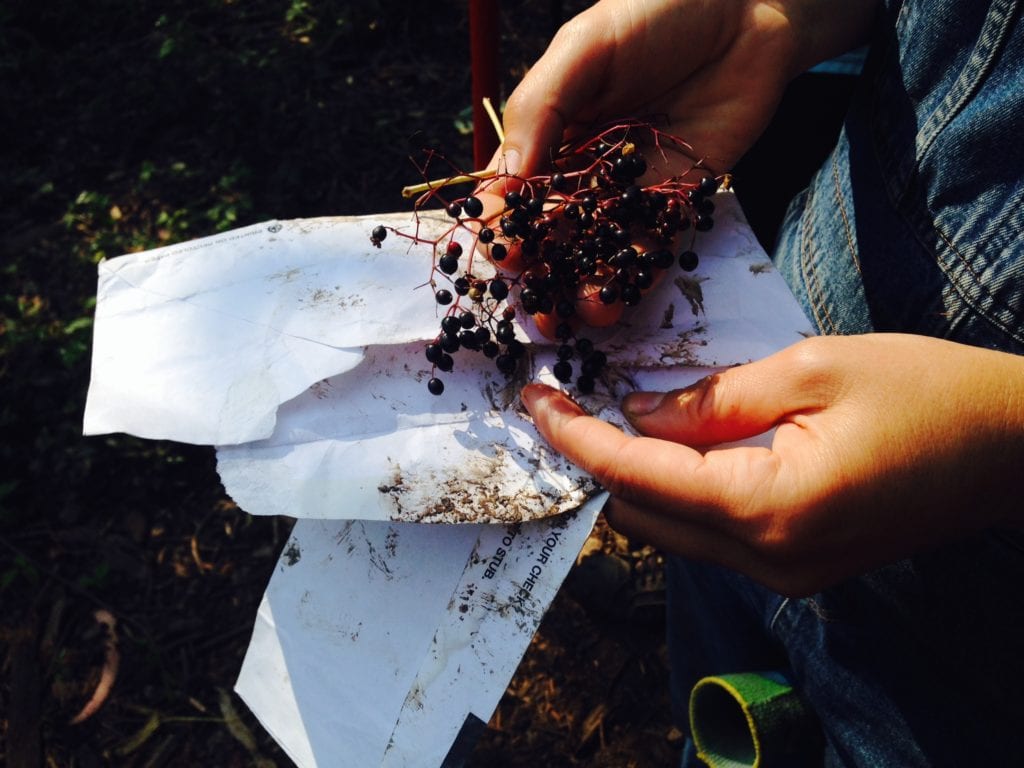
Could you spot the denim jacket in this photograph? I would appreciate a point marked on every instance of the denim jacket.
(914, 223)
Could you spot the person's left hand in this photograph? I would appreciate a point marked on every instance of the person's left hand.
(884, 444)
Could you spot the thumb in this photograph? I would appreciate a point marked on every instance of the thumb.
(733, 404)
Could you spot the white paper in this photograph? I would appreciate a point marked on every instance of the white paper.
(296, 348)
(387, 673)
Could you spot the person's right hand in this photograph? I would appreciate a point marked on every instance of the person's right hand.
(715, 70)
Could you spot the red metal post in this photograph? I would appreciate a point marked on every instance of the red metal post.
(484, 43)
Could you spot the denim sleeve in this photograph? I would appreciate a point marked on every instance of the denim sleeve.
(914, 223)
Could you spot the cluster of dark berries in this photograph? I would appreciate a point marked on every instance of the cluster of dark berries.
(588, 232)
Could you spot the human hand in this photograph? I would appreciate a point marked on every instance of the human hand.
(715, 71)
(884, 444)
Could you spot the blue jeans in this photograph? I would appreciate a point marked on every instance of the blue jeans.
(913, 224)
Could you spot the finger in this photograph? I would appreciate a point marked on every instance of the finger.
(719, 489)
(733, 404)
(669, 533)
(555, 93)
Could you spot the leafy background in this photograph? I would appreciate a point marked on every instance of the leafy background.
(126, 126)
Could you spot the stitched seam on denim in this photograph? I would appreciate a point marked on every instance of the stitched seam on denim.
(979, 64)
(851, 241)
(778, 612)
(822, 318)
(955, 278)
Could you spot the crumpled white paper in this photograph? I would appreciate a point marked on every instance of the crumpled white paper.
(296, 348)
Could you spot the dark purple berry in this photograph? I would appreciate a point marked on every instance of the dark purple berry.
(499, 288)
(436, 386)
(461, 286)
(446, 363)
(608, 294)
(688, 260)
(486, 235)
(663, 258)
(504, 332)
(563, 371)
(449, 342)
(505, 363)
(529, 300)
(624, 258)
(444, 297)
(450, 325)
(448, 264)
(703, 222)
(515, 349)
(467, 319)
(491, 349)
(708, 186)
(585, 384)
(454, 210)
(433, 353)
(630, 295)
(378, 234)
(498, 252)
(472, 206)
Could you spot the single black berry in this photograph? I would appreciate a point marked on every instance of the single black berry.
(608, 294)
(436, 386)
(688, 260)
(499, 288)
(505, 363)
(499, 252)
(630, 295)
(486, 235)
(449, 342)
(443, 296)
(433, 352)
(504, 332)
(708, 185)
(450, 325)
(563, 371)
(472, 206)
(448, 264)
(703, 222)
(378, 234)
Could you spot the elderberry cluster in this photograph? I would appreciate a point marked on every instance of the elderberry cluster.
(590, 231)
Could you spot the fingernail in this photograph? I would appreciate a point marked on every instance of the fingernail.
(530, 394)
(513, 161)
(641, 403)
